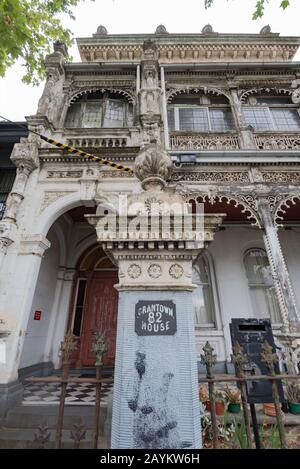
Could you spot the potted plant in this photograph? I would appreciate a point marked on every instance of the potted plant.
(233, 397)
(204, 396)
(269, 409)
(293, 397)
(219, 402)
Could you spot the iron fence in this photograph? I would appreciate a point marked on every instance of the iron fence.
(240, 360)
(208, 358)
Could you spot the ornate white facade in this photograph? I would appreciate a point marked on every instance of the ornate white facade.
(226, 109)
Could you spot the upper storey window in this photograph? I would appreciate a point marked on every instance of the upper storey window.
(271, 113)
(96, 110)
(200, 113)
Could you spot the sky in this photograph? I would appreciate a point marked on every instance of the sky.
(18, 100)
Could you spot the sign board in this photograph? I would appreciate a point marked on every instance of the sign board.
(37, 315)
(251, 334)
(155, 318)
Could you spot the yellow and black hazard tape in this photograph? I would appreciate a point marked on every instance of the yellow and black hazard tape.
(89, 156)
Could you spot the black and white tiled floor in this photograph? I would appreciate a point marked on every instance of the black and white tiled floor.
(77, 394)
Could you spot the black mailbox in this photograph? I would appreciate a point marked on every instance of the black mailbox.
(251, 334)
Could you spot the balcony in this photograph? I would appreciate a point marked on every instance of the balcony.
(277, 141)
(204, 141)
(102, 138)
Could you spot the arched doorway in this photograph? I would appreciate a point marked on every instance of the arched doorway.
(93, 305)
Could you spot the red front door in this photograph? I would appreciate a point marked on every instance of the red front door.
(100, 313)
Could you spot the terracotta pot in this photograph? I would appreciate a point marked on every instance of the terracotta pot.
(269, 409)
(207, 405)
(220, 407)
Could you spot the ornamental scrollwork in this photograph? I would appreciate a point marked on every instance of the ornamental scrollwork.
(253, 91)
(128, 94)
(247, 203)
(171, 93)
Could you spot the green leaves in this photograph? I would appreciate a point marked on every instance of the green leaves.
(259, 7)
(284, 4)
(27, 30)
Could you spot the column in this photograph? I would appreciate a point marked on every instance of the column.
(61, 319)
(164, 108)
(54, 316)
(284, 289)
(246, 136)
(19, 291)
(25, 157)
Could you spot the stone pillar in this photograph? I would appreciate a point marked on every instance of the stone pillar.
(164, 109)
(284, 289)
(245, 133)
(19, 291)
(156, 401)
(150, 95)
(60, 317)
(54, 315)
(25, 157)
(52, 100)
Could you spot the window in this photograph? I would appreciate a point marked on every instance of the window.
(79, 305)
(98, 110)
(198, 113)
(271, 113)
(259, 118)
(261, 285)
(203, 299)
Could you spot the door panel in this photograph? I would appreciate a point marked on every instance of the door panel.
(101, 315)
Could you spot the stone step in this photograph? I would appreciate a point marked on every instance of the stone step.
(20, 438)
(31, 416)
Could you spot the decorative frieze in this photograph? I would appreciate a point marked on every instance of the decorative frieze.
(212, 176)
(134, 271)
(154, 270)
(277, 141)
(176, 271)
(116, 174)
(64, 174)
(289, 177)
(173, 49)
(204, 141)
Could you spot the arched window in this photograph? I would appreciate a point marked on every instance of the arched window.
(271, 112)
(199, 112)
(261, 285)
(203, 298)
(97, 109)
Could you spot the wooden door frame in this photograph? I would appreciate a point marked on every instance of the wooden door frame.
(89, 275)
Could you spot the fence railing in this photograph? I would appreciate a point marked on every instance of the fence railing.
(208, 358)
(240, 360)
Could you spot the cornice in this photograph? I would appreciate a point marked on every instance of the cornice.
(188, 47)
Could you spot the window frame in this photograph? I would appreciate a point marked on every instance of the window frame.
(217, 324)
(275, 325)
(269, 108)
(207, 107)
(80, 278)
(103, 102)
